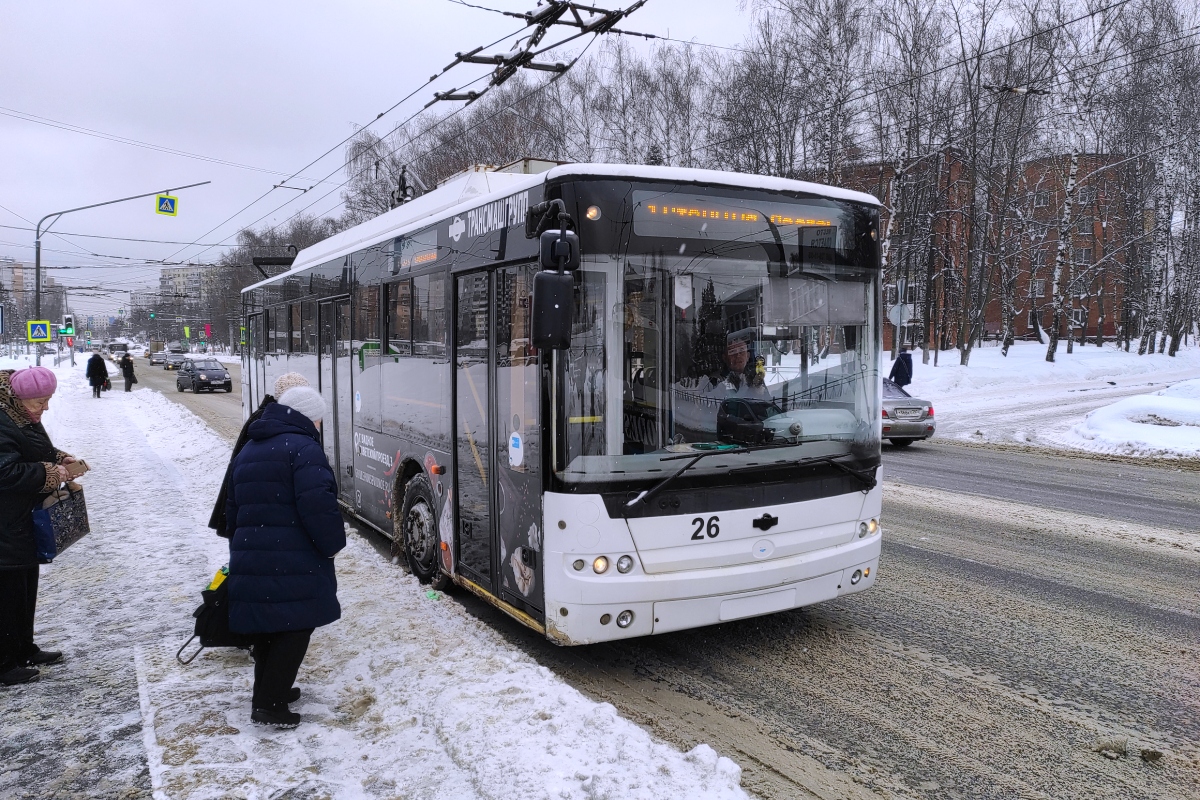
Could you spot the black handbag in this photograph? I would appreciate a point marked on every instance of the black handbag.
(212, 621)
(60, 521)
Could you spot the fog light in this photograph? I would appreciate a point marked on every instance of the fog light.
(605, 619)
(624, 564)
(856, 577)
(600, 565)
(579, 564)
(624, 619)
(593, 213)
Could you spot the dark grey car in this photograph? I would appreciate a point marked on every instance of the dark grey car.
(905, 418)
(205, 374)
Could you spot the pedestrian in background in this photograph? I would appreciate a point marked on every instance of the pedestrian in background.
(30, 469)
(902, 370)
(285, 528)
(216, 520)
(127, 371)
(97, 372)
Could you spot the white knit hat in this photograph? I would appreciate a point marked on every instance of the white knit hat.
(305, 400)
(287, 381)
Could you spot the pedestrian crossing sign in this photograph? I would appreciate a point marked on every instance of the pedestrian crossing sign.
(37, 330)
(166, 204)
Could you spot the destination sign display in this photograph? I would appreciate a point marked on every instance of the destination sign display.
(726, 218)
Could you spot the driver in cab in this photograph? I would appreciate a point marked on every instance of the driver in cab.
(745, 376)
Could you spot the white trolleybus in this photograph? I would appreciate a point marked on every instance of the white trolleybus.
(666, 417)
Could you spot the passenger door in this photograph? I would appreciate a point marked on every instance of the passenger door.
(498, 447)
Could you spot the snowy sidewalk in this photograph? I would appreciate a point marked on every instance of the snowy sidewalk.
(406, 696)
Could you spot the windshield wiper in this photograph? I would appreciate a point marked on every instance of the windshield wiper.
(866, 477)
(646, 494)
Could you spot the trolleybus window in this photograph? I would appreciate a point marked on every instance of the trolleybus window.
(726, 322)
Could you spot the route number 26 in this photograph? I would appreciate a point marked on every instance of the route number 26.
(702, 527)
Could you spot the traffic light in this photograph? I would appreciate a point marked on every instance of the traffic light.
(151, 315)
(68, 325)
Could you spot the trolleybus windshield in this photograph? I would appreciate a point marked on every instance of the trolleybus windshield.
(723, 322)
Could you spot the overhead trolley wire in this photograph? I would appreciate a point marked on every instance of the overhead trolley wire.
(942, 68)
(440, 145)
(357, 132)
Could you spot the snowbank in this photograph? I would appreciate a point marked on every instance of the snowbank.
(407, 695)
(1165, 424)
(1027, 400)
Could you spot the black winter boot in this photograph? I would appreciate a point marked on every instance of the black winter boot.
(19, 675)
(278, 717)
(41, 657)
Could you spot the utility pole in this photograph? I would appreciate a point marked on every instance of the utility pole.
(37, 243)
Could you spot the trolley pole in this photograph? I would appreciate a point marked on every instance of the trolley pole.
(54, 217)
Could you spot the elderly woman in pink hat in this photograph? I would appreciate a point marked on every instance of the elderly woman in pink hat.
(30, 468)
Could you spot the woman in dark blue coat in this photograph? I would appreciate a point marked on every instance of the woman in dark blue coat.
(285, 528)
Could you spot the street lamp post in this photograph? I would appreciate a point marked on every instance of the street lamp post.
(37, 243)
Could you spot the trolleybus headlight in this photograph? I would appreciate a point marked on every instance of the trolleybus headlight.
(593, 213)
(579, 564)
(854, 579)
(624, 564)
(600, 565)
(862, 529)
(872, 526)
(624, 619)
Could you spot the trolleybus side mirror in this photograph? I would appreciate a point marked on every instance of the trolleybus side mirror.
(560, 250)
(553, 302)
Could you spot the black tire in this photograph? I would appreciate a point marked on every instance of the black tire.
(418, 534)
(901, 442)
(179, 386)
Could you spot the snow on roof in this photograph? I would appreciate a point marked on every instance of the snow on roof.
(687, 175)
(479, 185)
(468, 188)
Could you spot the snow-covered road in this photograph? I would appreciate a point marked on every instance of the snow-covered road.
(407, 696)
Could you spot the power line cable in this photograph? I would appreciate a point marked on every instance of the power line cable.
(26, 116)
(98, 236)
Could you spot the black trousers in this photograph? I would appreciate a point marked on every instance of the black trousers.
(95, 390)
(277, 658)
(129, 384)
(18, 601)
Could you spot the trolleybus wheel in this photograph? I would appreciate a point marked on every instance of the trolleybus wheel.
(420, 534)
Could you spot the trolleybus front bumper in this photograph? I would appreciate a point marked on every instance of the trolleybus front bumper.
(583, 606)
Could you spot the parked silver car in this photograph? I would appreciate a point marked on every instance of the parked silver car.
(905, 418)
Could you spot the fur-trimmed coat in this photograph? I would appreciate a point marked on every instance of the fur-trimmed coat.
(27, 476)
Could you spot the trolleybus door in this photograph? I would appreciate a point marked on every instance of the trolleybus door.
(252, 363)
(343, 410)
(334, 348)
(472, 425)
(325, 372)
(498, 443)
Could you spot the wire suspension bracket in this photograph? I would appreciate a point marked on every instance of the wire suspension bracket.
(584, 18)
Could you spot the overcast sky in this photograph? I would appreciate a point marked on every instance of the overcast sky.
(264, 83)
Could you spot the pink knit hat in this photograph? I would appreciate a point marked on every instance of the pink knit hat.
(28, 384)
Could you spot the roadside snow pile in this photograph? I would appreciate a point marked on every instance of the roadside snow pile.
(1026, 400)
(1025, 368)
(408, 695)
(1165, 424)
(21, 361)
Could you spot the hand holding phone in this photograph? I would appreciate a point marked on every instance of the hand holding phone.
(76, 468)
